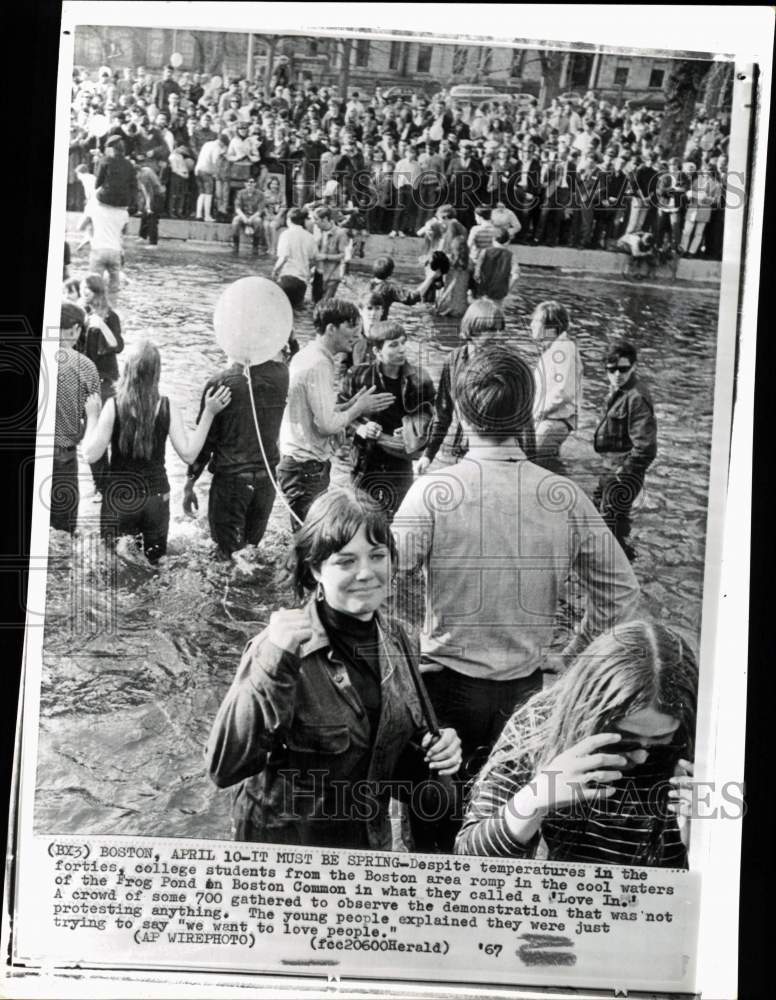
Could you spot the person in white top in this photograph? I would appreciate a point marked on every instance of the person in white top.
(106, 250)
(406, 176)
(557, 383)
(206, 171)
(297, 256)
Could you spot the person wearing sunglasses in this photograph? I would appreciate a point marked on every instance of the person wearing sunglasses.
(598, 767)
(626, 436)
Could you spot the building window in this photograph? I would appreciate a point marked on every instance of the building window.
(93, 48)
(460, 57)
(621, 76)
(424, 58)
(395, 55)
(362, 52)
(516, 66)
(156, 48)
(656, 77)
(186, 48)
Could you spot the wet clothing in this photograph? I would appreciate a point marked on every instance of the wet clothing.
(295, 732)
(77, 379)
(493, 273)
(627, 434)
(384, 293)
(136, 500)
(627, 828)
(241, 493)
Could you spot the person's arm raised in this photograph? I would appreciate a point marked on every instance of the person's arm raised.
(188, 446)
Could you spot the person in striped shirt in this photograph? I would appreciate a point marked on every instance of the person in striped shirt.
(598, 767)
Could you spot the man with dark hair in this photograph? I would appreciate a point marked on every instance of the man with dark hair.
(627, 436)
(248, 217)
(115, 184)
(496, 551)
(77, 380)
(241, 492)
(497, 269)
(313, 421)
(384, 466)
(164, 87)
(296, 256)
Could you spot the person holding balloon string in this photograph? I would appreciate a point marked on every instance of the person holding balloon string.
(253, 323)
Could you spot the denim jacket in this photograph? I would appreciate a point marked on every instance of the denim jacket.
(628, 426)
(293, 730)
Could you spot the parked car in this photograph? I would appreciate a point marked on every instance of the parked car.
(393, 94)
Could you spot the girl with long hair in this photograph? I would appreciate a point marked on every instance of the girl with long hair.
(599, 765)
(136, 424)
(452, 298)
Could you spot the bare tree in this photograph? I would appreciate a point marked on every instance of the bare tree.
(718, 86)
(551, 62)
(345, 48)
(210, 49)
(682, 89)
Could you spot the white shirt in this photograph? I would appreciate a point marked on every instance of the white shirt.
(207, 161)
(583, 142)
(108, 223)
(311, 424)
(558, 382)
(297, 249)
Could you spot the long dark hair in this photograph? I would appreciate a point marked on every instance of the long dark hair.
(137, 399)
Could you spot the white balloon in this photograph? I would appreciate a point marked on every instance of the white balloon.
(176, 60)
(253, 320)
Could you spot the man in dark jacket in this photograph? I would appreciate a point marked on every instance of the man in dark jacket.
(627, 436)
(116, 183)
(164, 87)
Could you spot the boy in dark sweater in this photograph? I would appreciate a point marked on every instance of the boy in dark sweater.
(116, 183)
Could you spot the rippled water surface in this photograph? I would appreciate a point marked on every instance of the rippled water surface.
(136, 661)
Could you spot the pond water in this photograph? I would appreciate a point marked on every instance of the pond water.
(137, 661)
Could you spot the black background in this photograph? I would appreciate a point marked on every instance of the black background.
(30, 44)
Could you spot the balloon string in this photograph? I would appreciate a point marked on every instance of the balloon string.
(272, 479)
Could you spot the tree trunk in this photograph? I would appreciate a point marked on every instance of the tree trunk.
(138, 47)
(217, 46)
(346, 45)
(682, 88)
(717, 87)
(552, 67)
(272, 43)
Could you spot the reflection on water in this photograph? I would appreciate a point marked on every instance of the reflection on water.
(136, 661)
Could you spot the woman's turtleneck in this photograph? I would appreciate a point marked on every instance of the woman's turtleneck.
(356, 644)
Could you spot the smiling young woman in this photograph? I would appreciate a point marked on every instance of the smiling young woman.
(327, 699)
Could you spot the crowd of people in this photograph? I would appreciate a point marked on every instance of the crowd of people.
(580, 172)
(337, 707)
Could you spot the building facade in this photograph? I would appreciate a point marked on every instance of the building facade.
(423, 65)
